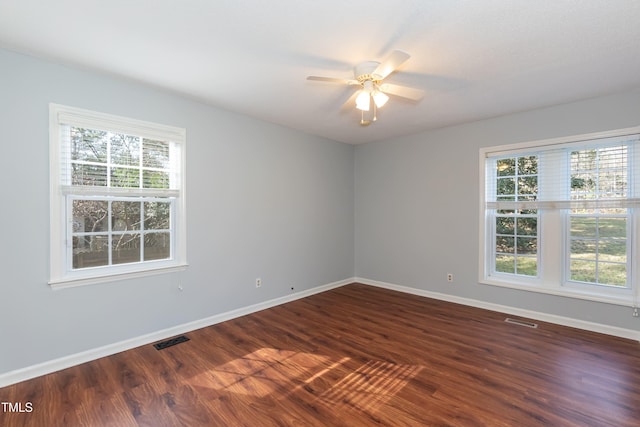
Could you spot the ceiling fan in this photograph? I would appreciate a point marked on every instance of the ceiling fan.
(372, 92)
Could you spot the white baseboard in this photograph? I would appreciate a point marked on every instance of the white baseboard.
(50, 366)
(543, 317)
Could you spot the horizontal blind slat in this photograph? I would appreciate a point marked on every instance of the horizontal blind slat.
(118, 192)
(565, 204)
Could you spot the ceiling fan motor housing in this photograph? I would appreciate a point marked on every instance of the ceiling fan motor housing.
(364, 71)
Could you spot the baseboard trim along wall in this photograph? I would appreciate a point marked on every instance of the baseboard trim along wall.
(48, 367)
(543, 317)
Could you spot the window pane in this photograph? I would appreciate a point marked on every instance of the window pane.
(598, 251)
(505, 264)
(125, 216)
(505, 244)
(90, 251)
(92, 216)
(613, 185)
(583, 226)
(155, 179)
(506, 167)
(155, 154)
(613, 250)
(527, 245)
(528, 165)
(583, 160)
(506, 186)
(126, 248)
(528, 185)
(125, 178)
(527, 266)
(125, 150)
(505, 225)
(583, 271)
(157, 215)
(581, 184)
(89, 216)
(612, 274)
(93, 175)
(157, 246)
(612, 227)
(527, 226)
(583, 249)
(599, 173)
(88, 145)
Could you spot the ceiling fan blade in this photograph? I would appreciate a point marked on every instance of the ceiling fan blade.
(396, 59)
(402, 91)
(350, 104)
(332, 80)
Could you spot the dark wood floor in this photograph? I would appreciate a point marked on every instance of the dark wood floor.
(352, 356)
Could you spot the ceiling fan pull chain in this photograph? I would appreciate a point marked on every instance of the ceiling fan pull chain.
(363, 122)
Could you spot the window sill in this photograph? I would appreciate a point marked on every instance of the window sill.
(82, 281)
(622, 297)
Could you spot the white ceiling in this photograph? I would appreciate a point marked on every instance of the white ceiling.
(473, 58)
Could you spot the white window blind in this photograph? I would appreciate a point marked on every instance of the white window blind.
(96, 161)
(561, 166)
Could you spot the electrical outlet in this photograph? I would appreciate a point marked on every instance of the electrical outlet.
(635, 311)
(258, 282)
(449, 277)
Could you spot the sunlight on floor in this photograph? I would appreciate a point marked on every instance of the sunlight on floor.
(369, 386)
(269, 370)
(262, 372)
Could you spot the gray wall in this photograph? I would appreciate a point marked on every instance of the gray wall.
(417, 204)
(262, 201)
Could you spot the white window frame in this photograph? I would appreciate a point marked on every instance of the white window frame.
(493, 232)
(553, 232)
(62, 275)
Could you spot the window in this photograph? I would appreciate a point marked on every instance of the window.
(516, 235)
(117, 197)
(561, 216)
(598, 251)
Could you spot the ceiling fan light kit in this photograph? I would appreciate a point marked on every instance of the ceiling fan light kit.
(369, 76)
(379, 97)
(363, 100)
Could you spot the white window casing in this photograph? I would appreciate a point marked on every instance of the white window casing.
(564, 213)
(126, 177)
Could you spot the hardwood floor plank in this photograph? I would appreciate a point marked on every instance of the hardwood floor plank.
(93, 411)
(357, 356)
(149, 407)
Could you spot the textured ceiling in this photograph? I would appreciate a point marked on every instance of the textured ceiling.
(474, 59)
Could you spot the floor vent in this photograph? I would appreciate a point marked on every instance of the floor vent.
(168, 343)
(521, 322)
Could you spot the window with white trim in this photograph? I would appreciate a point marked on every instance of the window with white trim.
(562, 216)
(117, 197)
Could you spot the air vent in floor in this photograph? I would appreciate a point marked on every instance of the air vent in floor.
(521, 322)
(168, 343)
